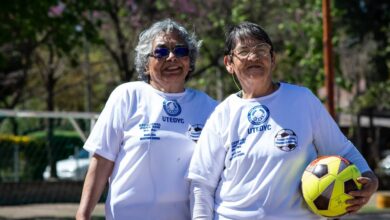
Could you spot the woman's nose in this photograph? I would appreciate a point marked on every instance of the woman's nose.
(171, 56)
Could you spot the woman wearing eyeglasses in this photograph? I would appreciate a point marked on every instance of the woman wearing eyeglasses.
(144, 138)
(253, 150)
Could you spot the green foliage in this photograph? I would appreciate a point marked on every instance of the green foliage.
(31, 154)
(239, 11)
(64, 141)
(301, 61)
(110, 28)
(368, 21)
(376, 97)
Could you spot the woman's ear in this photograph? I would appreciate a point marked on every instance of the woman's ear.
(227, 60)
(146, 70)
(273, 61)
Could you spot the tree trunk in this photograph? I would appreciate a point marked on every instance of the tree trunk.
(49, 133)
(50, 85)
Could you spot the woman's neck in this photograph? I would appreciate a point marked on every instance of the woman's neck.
(260, 91)
(174, 88)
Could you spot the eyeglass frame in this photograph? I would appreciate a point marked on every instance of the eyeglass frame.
(170, 50)
(251, 51)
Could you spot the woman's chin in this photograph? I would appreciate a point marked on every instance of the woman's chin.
(255, 73)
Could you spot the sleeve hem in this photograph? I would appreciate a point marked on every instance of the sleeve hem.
(201, 179)
(101, 153)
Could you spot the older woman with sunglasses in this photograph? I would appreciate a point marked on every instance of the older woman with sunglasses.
(255, 146)
(144, 138)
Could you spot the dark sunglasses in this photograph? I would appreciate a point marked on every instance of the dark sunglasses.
(163, 52)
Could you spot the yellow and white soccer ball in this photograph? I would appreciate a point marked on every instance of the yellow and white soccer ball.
(326, 182)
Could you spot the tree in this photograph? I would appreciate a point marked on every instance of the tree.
(367, 22)
(18, 22)
(63, 41)
(117, 23)
(41, 34)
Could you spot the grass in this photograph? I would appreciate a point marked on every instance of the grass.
(371, 208)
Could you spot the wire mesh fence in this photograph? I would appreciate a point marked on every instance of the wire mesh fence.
(26, 158)
(38, 164)
(42, 160)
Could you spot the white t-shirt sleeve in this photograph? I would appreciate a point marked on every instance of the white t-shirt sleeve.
(107, 134)
(209, 155)
(329, 140)
(201, 201)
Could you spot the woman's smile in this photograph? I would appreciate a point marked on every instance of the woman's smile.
(173, 69)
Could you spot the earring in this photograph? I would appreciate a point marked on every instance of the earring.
(235, 82)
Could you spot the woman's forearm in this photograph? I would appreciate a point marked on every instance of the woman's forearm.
(95, 181)
(201, 201)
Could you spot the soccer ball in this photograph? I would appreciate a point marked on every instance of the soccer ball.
(326, 182)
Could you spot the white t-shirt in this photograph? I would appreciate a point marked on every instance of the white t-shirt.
(254, 151)
(150, 136)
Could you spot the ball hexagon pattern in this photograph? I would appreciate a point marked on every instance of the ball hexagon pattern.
(326, 183)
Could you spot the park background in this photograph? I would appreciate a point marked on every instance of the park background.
(60, 60)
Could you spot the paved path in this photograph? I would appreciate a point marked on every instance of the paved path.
(67, 211)
(46, 211)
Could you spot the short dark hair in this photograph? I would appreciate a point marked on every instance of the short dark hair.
(242, 32)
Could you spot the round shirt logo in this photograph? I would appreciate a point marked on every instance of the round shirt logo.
(258, 115)
(194, 131)
(172, 107)
(286, 140)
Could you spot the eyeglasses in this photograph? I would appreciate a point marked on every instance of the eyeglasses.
(260, 50)
(163, 52)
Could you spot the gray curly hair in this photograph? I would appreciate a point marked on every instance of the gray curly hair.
(145, 44)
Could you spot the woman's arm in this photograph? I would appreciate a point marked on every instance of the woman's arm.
(95, 181)
(201, 201)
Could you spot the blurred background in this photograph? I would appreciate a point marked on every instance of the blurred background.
(60, 60)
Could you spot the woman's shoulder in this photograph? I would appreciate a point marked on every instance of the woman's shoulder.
(225, 105)
(291, 86)
(201, 95)
(129, 90)
(132, 85)
(295, 89)
(129, 87)
(221, 115)
(299, 93)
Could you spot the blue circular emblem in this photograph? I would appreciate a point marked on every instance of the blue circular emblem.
(172, 107)
(258, 114)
